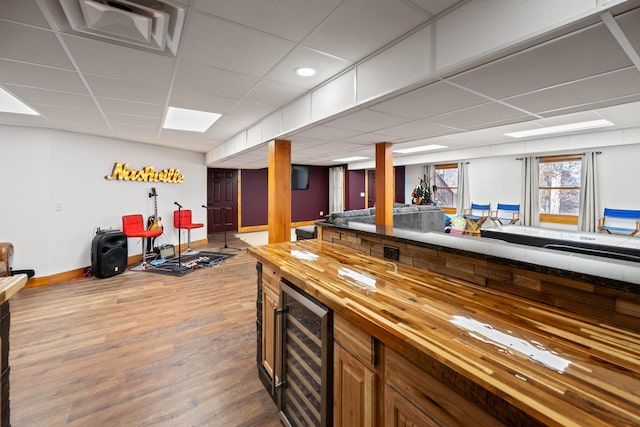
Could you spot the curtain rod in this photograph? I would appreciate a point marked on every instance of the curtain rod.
(577, 154)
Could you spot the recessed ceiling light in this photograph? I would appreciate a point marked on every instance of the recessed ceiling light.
(305, 71)
(191, 120)
(11, 104)
(419, 149)
(561, 128)
(350, 159)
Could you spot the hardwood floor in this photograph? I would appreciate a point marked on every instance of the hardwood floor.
(141, 349)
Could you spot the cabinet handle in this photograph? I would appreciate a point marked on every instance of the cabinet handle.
(276, 312)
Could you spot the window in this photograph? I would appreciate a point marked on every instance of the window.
(559, 188)
(447, 183)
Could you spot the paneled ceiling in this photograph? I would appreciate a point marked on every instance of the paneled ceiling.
(238, 58)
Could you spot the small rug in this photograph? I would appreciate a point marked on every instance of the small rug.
(188, 263)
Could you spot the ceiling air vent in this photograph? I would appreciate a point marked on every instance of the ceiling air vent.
(153, 24)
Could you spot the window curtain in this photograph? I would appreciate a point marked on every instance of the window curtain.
(589, 195)
(530, 204)
(463, 188)
(336, 189)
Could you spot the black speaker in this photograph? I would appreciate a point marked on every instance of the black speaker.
(109, 253)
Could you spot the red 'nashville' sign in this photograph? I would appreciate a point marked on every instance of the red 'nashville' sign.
(147, 174)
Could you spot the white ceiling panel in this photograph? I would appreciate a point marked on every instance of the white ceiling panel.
(592, 105)
(23, 74)
(422, 128)
(608, 86)
(23, 120)
(121, 130)
(127, 90)
(200, 101)
(109, 105)
(369, 139)
(214, 81)
(31, 44)
(290, 19)
(25, 11)
(273, 93)
(630, 24)
(251, 109)
(485, 115)
(326, 133)
(366, 24)
(127, 119)
(76, 117)
(325, 66)
(435, 7)
(431, 100)
(223, 44)
(559, 61)
(367, 121)
(32, 95)
(110, 60)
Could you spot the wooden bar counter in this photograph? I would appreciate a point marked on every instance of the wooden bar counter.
(521, 362)
(9, 286)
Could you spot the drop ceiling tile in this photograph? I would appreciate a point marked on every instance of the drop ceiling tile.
(251, 109)
(132, 132)
(562, 112)
(23, 119)
(368, 139)
(25, 11)
(223, 44)
(20, 73)
(127, 119)
(366, 120)
(72, 116)
(48, 97)
(625, 114)
(214, 81)
(325, 65)
(484, 115)
(435, 7)
(127, 90)
(273, 93)
(630, 24)
(577, 56)
(600, 88)
(33, 45)
(326, 133)
(428, 101)
(221, 133)
(290, 19)
(200, 101)
(236, 122)
(359, 27)
(417, 129)
(109, 105)
(111, 60)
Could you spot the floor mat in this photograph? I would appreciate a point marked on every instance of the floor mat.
(188, 263)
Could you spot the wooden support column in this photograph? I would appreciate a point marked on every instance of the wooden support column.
(385, 190)
(279, 193)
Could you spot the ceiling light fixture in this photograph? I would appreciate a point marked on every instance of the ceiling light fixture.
(11, 104)
(420, 149)
(305, 71)
(592, 124)
(350, 159)
(190, 120)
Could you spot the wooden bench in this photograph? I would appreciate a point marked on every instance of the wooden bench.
(617, 221)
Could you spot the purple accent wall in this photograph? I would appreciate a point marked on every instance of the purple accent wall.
(306, 205)
(254, 196)
(354, 184)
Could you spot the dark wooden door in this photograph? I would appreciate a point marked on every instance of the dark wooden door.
(222, 199)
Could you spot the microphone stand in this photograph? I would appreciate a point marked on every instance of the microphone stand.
(224, 225)
(179, 233)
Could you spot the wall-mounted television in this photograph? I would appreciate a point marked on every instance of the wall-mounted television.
(299, 177)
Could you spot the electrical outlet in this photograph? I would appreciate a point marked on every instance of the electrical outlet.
(321, 213)
(391, 252)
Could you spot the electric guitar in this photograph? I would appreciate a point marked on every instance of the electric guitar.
(153, 223)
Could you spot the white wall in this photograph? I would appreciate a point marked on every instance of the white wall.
(43, 169)
(498, 179)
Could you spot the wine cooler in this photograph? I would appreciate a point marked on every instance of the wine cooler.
(305, 397)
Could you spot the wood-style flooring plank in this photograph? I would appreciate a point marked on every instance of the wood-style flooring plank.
(141, 349)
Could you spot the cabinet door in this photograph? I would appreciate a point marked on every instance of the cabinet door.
(270, 302)
(400, 413)
(354, 391)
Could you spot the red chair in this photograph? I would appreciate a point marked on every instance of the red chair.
(182, 221)
(133, 226)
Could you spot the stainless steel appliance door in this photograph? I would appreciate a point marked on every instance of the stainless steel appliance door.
(307, 359)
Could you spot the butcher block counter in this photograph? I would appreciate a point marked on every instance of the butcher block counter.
(520, 361)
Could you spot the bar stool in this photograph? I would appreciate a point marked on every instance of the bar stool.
(182, 221)
(133, 226)
(6, 252)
